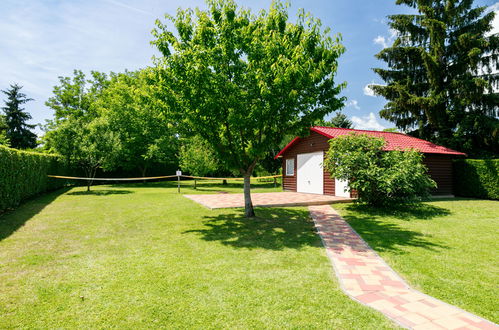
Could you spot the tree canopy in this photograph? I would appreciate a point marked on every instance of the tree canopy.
(242, 80)
(339, 120)
(440, 77)
(18, 132)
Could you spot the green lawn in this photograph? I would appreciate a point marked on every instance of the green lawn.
(142, 256)
(447, 248)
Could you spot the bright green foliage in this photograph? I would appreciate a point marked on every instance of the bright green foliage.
(137, 116)
(379, 177)
(18, 132)
(477, 178)
(4, 141)
(23, 174)
(197, 157)
(339, 120)
(76, 96)
(241, 80)
(440, 80)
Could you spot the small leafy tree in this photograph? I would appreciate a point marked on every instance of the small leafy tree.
(242, 81)
(339, 120)
(19, 132)
(98, 146)
(380, 177)
(197, 157)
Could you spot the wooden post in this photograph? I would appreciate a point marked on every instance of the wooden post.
(195, 186)
(275, 182)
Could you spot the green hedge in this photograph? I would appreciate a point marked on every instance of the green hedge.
(477, 178)
(24, 174)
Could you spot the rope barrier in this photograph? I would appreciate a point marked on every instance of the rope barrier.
(157, 177)
(112, 179)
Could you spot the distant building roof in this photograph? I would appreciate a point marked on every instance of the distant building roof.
(394, 141)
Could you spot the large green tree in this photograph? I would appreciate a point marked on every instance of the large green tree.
(242, 80)
(74, 102)
(440, 77)
(19, 133)
(135, 113)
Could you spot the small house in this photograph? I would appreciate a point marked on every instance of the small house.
(302, 160)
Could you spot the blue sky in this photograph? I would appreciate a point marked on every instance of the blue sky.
(42, 40)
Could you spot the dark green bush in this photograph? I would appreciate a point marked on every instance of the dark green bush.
(23, 174)
(477, 178)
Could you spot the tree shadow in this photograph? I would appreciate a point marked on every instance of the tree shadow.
(383, 236)
(272, 229)
(408, 211)
(101, 192)
(12, 220)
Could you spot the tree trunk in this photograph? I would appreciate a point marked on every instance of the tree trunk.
(195, 187)
(249, 212)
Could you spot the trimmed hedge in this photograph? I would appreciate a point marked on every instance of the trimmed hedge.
(477, 178)
(23, 174)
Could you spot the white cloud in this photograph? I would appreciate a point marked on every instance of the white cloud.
(368, 91)
(353, 103)
(386, 41)
(380, 40)
(495, 22)
(369, 122)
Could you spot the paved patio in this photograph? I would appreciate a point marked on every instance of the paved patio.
(366, 278)
(219, 201)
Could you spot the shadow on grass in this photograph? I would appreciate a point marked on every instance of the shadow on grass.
(13, 220)
(102, 192)
(419, 211)
(273, 229)
(384, 236)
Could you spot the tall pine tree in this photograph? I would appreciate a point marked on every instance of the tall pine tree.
(442, 70)
(18, 131)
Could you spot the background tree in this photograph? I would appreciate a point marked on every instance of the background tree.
(19, 132)
(380, 177)
(440, 80)
(241, 81)
(340, 120)
(75, 105)
(197, 158)
(146, 135)
(98, 147)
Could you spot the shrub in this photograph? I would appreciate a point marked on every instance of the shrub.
(477, 178)
(379, 177)
(23, 174)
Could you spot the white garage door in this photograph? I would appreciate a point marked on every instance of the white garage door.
(310, 175)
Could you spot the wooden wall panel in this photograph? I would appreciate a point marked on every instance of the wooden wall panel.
(440, 170)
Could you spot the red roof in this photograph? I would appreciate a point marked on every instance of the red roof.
(394, 141)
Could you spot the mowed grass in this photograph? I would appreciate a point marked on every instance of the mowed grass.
(447, 248)
(143, 256)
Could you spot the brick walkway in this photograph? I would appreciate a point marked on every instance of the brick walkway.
(218, 201)
(365, 277)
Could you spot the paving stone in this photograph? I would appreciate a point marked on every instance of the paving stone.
(366, 277)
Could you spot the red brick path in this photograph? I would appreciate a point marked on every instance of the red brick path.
(365, 277)
(218, 201)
